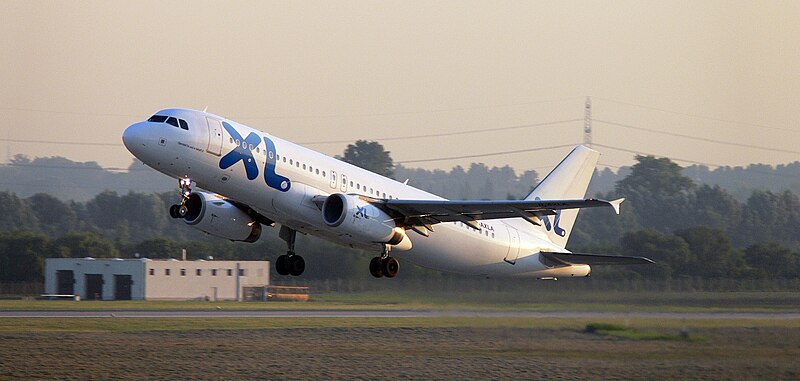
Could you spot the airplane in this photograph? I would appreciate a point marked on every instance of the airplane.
(254, 179)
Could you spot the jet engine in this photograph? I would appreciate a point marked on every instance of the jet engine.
(363, 221)
(210, 213)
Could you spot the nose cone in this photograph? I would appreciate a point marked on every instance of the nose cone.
(134, 138)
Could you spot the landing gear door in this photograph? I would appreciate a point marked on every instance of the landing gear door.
(214, 136)
(513, 245)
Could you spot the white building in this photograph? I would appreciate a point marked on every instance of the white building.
(146, 279)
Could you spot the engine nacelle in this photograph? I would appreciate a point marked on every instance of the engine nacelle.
(216, 216)
(363, 221)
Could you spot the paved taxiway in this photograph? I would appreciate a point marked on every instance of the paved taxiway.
(387, 314)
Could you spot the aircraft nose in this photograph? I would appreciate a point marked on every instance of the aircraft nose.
(133, 137)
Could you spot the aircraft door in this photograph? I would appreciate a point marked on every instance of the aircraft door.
(214, 136)
(513, 245)
(333, 180)
(344, 183)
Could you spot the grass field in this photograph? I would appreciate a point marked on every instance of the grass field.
(562, 301)
(411, 348)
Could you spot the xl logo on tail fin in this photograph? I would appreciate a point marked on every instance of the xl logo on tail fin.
(554, 227)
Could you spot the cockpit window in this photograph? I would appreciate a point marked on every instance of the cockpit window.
(172, 121)
(157, 118)
(183, 123)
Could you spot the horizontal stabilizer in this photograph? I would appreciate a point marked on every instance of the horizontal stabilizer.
(594, 259)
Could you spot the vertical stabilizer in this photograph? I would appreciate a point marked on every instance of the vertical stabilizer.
(568, 180)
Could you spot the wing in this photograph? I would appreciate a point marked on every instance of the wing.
(428, 212)
(593, 259)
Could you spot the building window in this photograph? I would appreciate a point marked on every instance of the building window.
(183, 272)
(230, 272)
(166, 271)
(241, 272)
(198, 272)
(213, 272)
(152, 271)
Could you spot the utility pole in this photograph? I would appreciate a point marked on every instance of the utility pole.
(587, 123)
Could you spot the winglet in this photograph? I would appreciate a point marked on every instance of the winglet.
(615, 204)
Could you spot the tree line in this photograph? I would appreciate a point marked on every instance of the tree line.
(690, 230)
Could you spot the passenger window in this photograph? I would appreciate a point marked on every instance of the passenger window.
(184, 125)
(251, 147)
(298, 164)
(351, 183)
(231, 140)
(304, 166)
(323, 173)
(317, 170)
(172, 121)
(271, 155)
(157, 118)
(290, 161)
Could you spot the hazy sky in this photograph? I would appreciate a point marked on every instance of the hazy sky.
(345, 70)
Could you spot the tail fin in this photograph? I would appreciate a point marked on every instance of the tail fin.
(568, 180)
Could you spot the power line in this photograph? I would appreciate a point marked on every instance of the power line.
(60, 142)
(73, 167)
(65, 112)
(484, 154)
(415, 112)
(697, 116)
(652, 154)
(410, 137)
(697, 137)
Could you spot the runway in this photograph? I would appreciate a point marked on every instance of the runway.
(344, 313)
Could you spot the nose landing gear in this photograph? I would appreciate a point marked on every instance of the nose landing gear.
(181, 210)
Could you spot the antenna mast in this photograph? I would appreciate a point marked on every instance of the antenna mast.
(587, 123)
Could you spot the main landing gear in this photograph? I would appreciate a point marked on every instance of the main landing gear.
(384, 265)
(181, 210)
(290, 263)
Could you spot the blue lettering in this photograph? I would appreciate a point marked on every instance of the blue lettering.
(241, 153)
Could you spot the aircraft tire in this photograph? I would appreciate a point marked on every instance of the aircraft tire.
(376, 267)
(282, 265)
(183, 210)
(296, 265)
(390, 267)
(173, 211)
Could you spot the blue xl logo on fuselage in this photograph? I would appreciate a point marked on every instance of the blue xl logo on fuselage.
(244, 153)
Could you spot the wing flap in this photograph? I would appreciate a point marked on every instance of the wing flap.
(459, 210)
(595, 259)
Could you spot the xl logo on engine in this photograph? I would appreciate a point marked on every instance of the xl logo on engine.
(361, 212)
(244, 153)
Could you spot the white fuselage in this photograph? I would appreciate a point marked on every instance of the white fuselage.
(506, 247)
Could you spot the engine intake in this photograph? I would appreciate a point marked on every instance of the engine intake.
(211, 214)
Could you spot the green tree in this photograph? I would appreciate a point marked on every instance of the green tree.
(55, 217)
(79, 245)
(16, 214)
(671, 254)
(659, 193)
(22, 256)
(713, 253)
(370, 156)
(772, 260)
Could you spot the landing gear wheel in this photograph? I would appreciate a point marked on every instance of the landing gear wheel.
(183, 210)
(173, 211)
(296, 265)
(282, 265)
(390, 267)
(375, 267)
